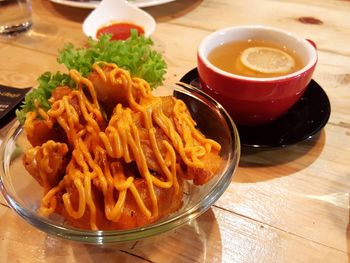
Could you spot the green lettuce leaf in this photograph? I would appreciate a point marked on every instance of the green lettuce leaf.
(134, 54)
(47, 83)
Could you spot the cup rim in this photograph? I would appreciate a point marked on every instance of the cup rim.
(312, 62)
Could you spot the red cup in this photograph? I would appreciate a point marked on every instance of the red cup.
(251, 100)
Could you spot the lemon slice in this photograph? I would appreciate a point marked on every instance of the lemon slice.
(267, 60)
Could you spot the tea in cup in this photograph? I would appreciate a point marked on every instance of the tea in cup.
(256, 72)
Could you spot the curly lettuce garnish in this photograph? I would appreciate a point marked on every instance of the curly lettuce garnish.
(134, 54)
(47, 83)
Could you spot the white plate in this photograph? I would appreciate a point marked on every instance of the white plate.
(93, 4)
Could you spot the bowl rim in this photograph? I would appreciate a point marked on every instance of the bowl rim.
(307, 44)
(101, 237)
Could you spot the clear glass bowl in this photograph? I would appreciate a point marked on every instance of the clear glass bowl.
(23, 193)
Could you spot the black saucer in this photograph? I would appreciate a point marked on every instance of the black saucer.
(305, 119)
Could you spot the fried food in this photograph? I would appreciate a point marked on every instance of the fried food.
(131, 215)
(124, 153)
(46, 163)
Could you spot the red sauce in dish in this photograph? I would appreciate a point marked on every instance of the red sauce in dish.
(119, 31)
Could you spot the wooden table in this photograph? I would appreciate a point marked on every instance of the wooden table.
(283, 205)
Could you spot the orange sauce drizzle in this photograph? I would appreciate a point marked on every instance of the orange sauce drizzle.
(91, 146)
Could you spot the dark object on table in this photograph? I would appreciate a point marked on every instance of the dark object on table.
(305, 119)
(10, 99)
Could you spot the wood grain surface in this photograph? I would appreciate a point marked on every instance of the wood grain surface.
(283, 205)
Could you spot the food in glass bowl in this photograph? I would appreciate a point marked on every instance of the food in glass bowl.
(109, 155)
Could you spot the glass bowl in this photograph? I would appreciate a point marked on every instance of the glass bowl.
(23, 193)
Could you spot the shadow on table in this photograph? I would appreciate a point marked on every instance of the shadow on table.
(70, 13)
(266, 159)
(166, 12)
(197, 241)
(193, 242)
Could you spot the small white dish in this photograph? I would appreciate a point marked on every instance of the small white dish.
(114, 11)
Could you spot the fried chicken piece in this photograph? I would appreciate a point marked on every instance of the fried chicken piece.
(109, 94)
(43, 132)
(131, 217)
(60, 92)
(212, 162)
(168, 202)
(167, 108)
(46, 163)
(147, 149)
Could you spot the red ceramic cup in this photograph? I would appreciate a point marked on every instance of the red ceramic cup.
(250, 100)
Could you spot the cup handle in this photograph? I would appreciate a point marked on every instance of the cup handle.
(312, 43)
